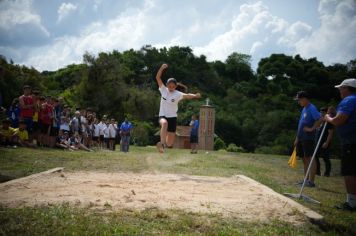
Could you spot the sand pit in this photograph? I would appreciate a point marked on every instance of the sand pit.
(237, 196)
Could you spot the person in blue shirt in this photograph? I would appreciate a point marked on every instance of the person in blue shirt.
(125, 133)
(345, 121)
(194, 124)
(14, 113)
(309, 121)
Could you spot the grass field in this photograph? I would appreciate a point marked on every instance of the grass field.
(270, 170)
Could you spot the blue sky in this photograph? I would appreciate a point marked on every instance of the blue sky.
(50, 34)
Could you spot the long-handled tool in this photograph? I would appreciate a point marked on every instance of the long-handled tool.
(301, 195)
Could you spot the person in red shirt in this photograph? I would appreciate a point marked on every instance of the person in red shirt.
(27, 108)
(46, 119)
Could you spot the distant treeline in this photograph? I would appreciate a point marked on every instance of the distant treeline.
(255, 110)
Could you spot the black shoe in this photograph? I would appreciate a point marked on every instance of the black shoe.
(309, 184)
(346, 207)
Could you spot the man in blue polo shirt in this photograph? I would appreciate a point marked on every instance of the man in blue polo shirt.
(309, 121)
(345, 121)
(125, 133)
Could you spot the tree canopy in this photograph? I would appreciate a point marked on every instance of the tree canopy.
(254, 110)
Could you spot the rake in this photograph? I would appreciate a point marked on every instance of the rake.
(300, 195)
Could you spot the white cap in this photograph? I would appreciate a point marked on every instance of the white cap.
(347, 82)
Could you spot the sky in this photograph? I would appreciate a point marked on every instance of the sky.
(50, 34)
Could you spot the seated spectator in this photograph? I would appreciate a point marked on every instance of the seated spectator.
(76, 143)
(62, 141)
(22, 136)
(7, 134)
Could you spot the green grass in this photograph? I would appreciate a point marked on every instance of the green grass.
(270, 170)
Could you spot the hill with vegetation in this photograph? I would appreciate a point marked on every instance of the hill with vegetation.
(254, 109)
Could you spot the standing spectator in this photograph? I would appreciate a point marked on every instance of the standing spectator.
(308, 122)
(96, 133)
(325, 142)
(194, 124)
(83, 126)
(46, 117)
(74, 123)
(112, 135)
(64, 124)
(125, 133)
(345, 121)
(106, 133)
(66, 111)
(35, 117)
(27, 107)
(56, 121)
(101, 127)
(14, 113)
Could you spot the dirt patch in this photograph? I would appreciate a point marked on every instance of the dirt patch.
(237, 196)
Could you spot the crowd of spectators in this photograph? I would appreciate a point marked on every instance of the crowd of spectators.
(44, 121)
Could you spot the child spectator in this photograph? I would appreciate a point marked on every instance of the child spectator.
(102, 126)
(62, 140)
(74, 123)
(46, 117)
(112, 134)
(22, 136)
(14, 113)
(106, 134)
(76, 143)
(96, 132)
(35, 118)
(64, 124)
(7, 134)
(27, 107)
(194, 124)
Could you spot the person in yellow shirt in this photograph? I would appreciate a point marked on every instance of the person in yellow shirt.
(7, 134)
(22, 136)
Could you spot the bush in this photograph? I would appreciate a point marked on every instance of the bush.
(141, 133)
(233, 148)
(219, 144)
(277, 149)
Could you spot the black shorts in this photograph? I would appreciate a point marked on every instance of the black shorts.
(44, 128)
(36, 126)
(54, 132)
(95, 138)
(101, 138)
(172, 123)
(305, 148)
(193, 139)
(348, 160)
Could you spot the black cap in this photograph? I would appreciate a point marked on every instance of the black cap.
(172, 80)
(301, 94)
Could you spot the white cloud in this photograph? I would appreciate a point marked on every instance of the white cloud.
(249, 28)
(124, 32)
(296, 32)
(65, 10)
(255, 47)
(17, 21)
(335, 40)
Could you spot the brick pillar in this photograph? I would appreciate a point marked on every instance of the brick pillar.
(206, 127)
